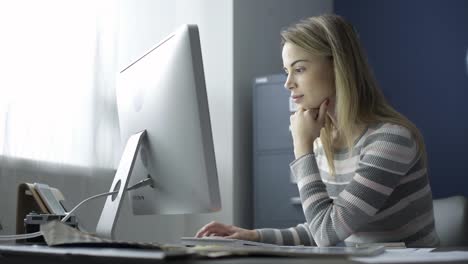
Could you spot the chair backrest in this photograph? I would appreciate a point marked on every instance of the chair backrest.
(451, 221)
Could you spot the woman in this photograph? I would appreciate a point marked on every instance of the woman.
(360, 165)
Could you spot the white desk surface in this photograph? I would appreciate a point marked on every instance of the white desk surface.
(415, 255)
(44, 254)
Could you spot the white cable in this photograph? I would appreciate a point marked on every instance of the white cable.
(138, 185)
(18, 237)
(69, 214)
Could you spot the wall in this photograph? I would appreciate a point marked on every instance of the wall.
(419, 53)
(257, 52)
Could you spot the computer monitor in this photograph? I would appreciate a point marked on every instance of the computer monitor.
(164, 118)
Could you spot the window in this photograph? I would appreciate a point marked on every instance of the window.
(56, 80)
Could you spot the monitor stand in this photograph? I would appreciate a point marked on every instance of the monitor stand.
(106, 223)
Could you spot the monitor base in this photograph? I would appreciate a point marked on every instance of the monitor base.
(106, 224)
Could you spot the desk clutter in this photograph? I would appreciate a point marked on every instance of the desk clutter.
(40, 209)
(63, 240)
(58, 234)
(67, 243)
(39, 203)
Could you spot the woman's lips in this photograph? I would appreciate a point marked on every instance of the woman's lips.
(297, 98)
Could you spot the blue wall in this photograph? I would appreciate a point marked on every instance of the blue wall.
(418, 50)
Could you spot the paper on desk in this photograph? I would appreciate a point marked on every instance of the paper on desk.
(414, 255)
(120, 253)
(59, 234)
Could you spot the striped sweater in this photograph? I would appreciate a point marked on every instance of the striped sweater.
(380, 193)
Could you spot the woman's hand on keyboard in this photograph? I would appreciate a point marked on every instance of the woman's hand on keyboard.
(227, 231)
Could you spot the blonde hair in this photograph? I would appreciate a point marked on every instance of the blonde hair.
(359, 101)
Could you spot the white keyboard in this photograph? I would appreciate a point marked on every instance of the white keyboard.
(215, 240)
(242, 247)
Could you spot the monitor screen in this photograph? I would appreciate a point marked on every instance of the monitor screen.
(163, 93)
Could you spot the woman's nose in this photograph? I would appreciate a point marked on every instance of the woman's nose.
(289, 84)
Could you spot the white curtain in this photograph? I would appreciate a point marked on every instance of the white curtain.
(58, 63)
(56, 90)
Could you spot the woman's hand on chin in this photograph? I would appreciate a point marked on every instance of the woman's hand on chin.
(305, 127)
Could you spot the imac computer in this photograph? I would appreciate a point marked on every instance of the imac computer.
(164, 120)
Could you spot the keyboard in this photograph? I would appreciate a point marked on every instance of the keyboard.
(217, 245)
(221, 241)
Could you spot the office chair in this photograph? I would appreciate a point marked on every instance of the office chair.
(451, 220)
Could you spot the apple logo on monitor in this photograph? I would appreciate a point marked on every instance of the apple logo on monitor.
(138, 98)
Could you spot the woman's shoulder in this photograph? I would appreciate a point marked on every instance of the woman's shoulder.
(387, 129)
(390, 137)
(390, 146)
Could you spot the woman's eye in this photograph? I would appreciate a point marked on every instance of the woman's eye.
(300, 69)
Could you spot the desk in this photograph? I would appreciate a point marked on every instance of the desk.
(20, 254)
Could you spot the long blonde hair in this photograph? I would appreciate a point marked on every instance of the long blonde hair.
(359, 101)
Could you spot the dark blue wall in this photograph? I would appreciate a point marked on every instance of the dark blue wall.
(418, 50)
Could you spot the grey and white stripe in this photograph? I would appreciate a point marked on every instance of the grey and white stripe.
(380, 193)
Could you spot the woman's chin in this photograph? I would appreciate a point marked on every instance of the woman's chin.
(309, 107)
(306, 106)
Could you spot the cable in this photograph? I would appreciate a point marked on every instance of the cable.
(137, 185)
(18, 237)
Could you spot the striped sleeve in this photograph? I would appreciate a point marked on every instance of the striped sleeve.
(294, 236)
(387, 155)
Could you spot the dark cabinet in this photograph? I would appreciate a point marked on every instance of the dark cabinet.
(275, 195)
